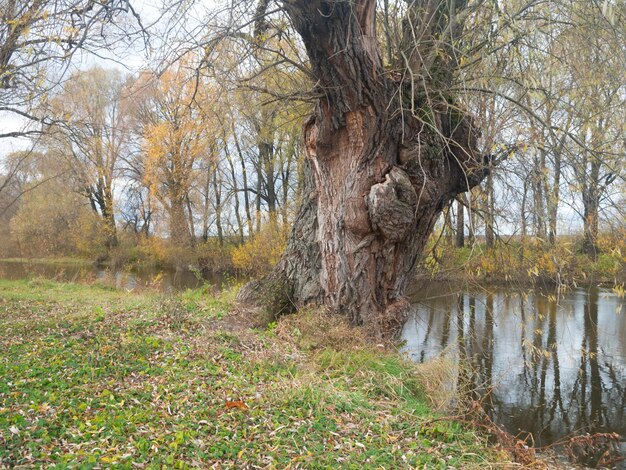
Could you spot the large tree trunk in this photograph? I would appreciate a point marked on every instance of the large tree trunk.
(178, 224)
(101, 200)
(108, 214)
(377, 176)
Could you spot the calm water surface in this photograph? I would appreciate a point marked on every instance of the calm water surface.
(141, 278)
(544, 364)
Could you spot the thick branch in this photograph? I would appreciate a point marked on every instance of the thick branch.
(340, 42)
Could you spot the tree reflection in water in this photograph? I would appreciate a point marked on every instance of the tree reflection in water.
(540, 364)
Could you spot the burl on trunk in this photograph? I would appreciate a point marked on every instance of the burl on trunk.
(382, 162)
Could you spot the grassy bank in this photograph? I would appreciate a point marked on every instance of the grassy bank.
(61, 261)
(98, 377)
(529, 263)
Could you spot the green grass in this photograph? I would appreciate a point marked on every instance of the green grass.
(93, 377)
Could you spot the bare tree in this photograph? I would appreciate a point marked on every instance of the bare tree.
(92, 132)
(37, 40)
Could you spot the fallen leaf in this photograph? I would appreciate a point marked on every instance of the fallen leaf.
(236, 404)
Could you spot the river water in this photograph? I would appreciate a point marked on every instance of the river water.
(542, 364)
(545, 364)
(148, 277)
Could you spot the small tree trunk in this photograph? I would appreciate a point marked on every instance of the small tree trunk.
(258, 200)
(539, 201)
(290, 157)
(233, 176)
(244, 176)
(205, 211)
(448, 230)
(266, 157)
(590, 227)
(146, 214)
(591, 193)
(471, 229)
(591, 207)
(217, 190)
(524, 228)
(460, 221)
(192, 227)
(553, 200)
(490, 214)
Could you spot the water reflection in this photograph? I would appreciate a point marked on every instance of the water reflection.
(546, 366)
(142, 278)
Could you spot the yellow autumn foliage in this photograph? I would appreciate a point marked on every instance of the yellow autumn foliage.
(262, 251)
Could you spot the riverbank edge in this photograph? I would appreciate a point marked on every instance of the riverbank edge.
(354, 404)
(531, 265)
(458, 273)
(126, 266)
(424, 280)
(63, 261)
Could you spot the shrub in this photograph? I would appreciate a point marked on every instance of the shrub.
(215, 257)
(261, 252)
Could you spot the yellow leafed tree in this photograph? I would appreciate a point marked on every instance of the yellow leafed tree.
(176, 137)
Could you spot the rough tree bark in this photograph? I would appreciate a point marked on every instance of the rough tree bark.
(377, 174)
(180, 235)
